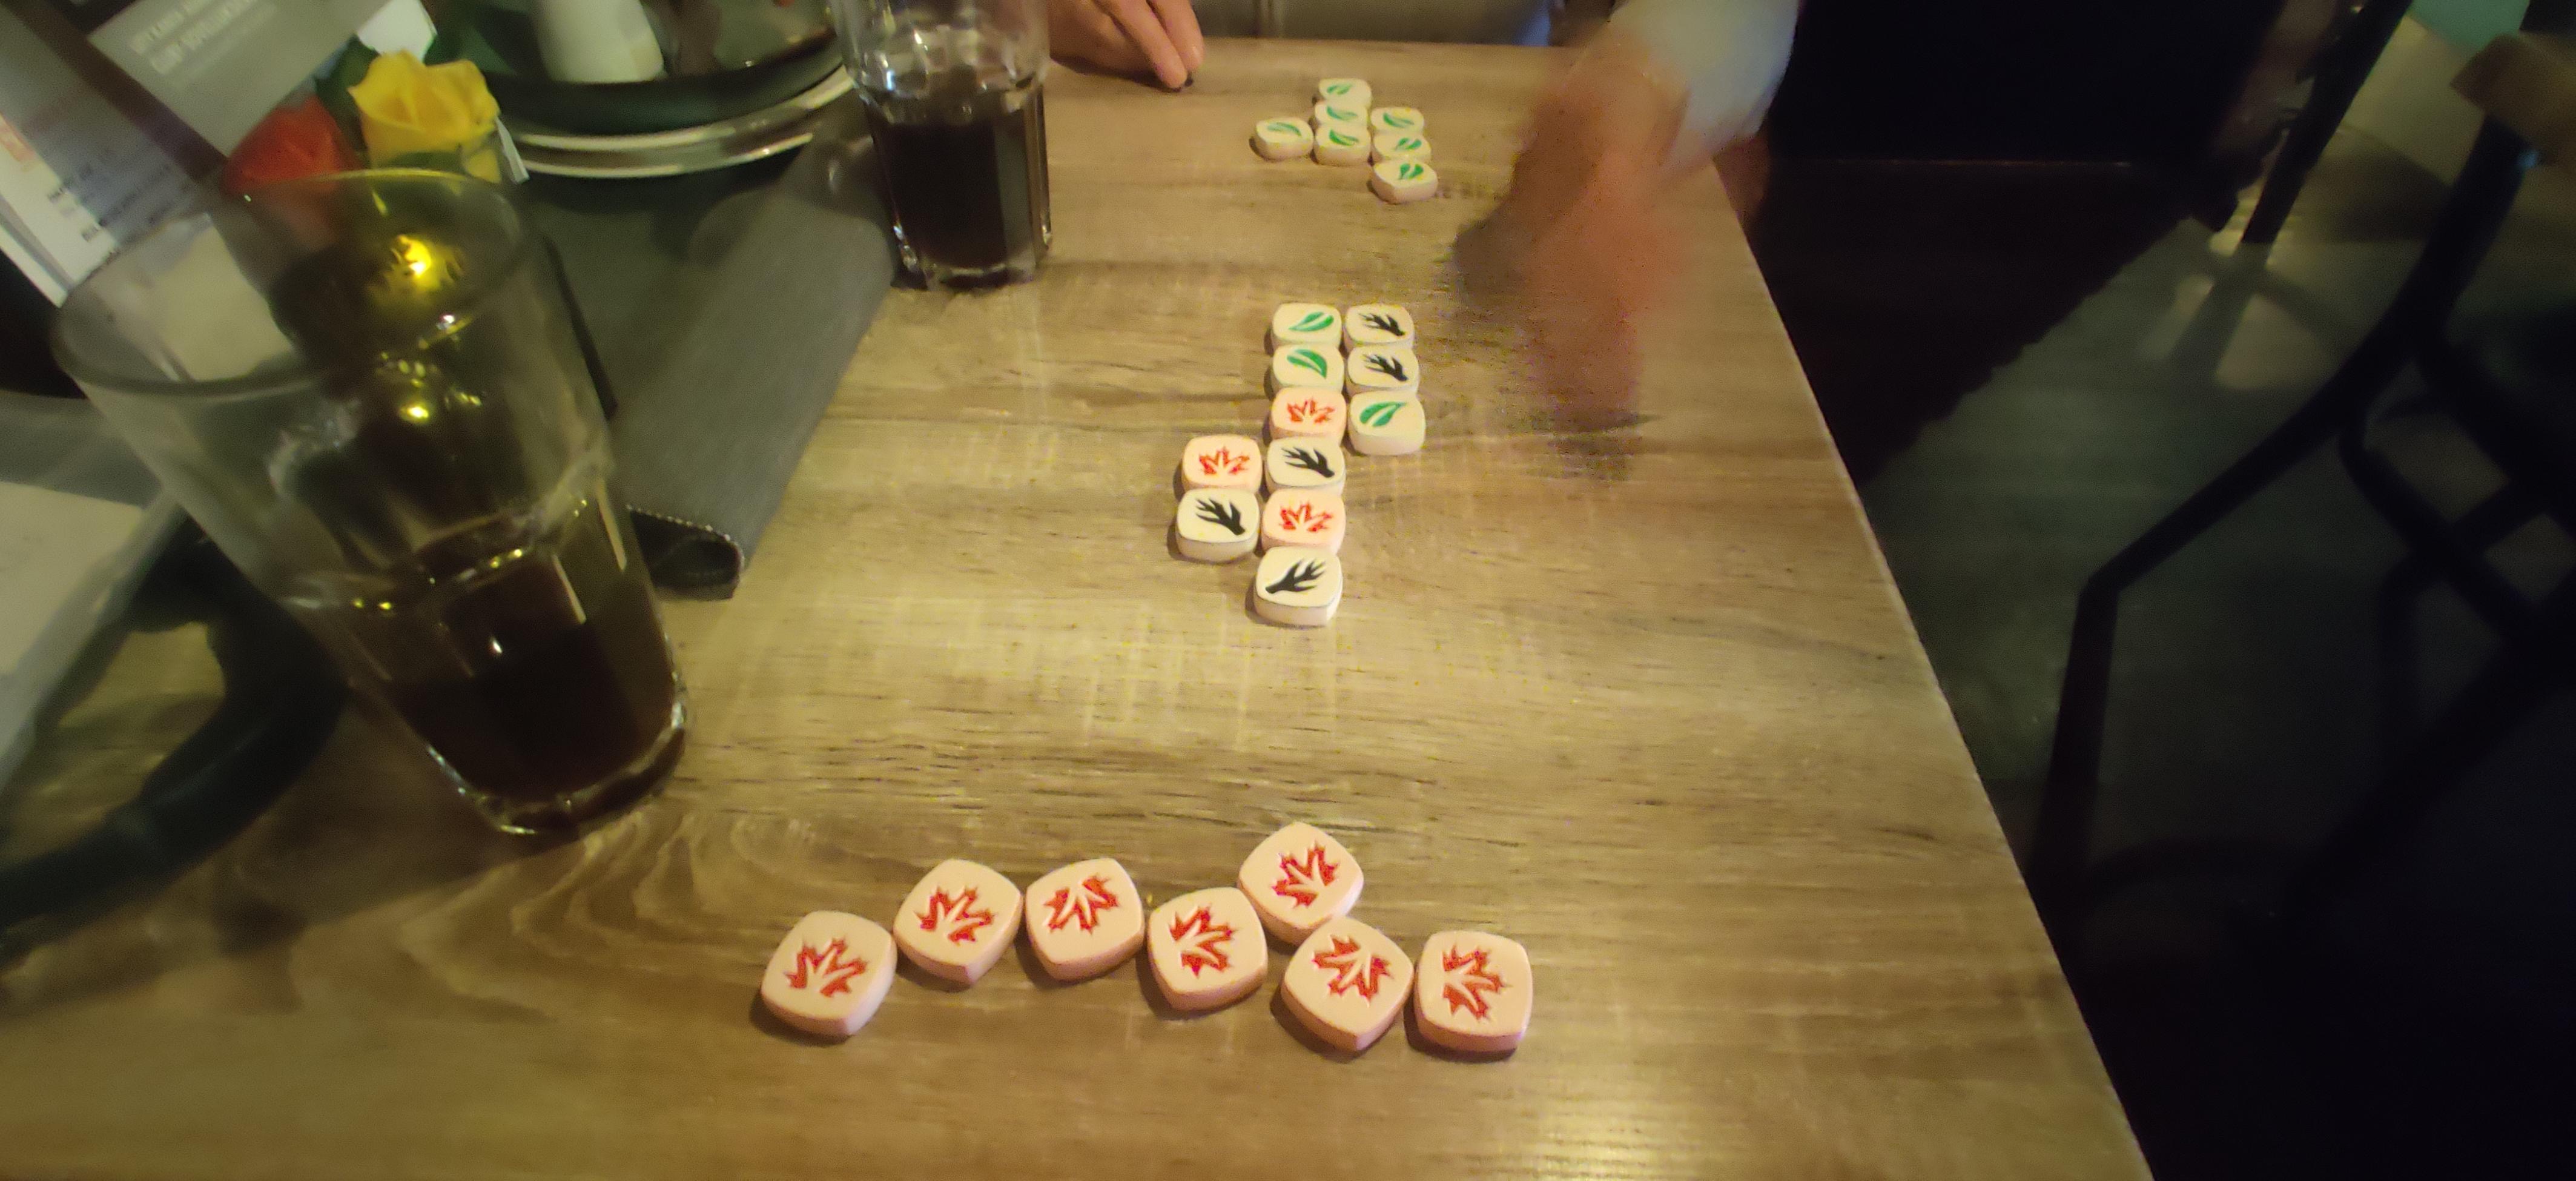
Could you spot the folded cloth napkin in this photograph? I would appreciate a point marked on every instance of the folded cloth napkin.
(706, 439)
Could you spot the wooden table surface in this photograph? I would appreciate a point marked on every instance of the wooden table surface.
(1645, 700)
(2528, 81)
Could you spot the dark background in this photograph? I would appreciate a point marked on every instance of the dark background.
(2016, 80)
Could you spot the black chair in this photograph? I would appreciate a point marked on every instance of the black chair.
(2510, 390)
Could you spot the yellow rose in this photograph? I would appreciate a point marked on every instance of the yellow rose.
(406, 109)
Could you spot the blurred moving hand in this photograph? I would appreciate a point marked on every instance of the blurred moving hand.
(1582, 247)
(1133, 37)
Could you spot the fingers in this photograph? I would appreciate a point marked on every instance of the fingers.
(1182, 22)
(1084, 32)
(1157, 37)
(1146, 30)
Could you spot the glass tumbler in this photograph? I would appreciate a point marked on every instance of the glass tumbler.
(365, 388)
(955, 97)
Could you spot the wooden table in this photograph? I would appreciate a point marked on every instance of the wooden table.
(1645, 700)
(2528, 81)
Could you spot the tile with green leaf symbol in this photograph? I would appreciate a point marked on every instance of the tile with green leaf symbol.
(1345, 92)
(1404, 180)
(1377, 323)
(1306, 366)
(1341, 143)
(1282, 138)
(1400, 145)
(1335, 114)
(1387, 424)
(1397, 119)
(1305, 323)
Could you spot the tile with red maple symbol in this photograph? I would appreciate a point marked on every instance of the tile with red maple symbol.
(1303, 875)
(1202, 940)
(1474, 982)
(1305, 517)
(829, 974)
(958, 920)
(1206, 948)
(1299, 878)
(825, 970)
(957, 916)
(1347, 983)
(1353, 969)
(1307, 413)
(1085, 918)
(1079, 905)
(1221, 461)
(1474, 992)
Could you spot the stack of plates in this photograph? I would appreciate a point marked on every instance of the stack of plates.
(721, 144)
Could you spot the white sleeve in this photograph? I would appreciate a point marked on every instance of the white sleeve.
(1729, 52)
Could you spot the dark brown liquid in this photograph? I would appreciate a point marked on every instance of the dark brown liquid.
(485, 586)
(534, 675)
(966, 170)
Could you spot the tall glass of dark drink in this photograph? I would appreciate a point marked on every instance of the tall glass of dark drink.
(366, 388)
(955, 96)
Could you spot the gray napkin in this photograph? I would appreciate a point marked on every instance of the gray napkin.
(723, 358)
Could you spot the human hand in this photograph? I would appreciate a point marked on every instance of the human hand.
(1158, 37)
(1581, 249)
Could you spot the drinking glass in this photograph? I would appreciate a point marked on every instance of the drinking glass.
(365, 388)
(955, 97)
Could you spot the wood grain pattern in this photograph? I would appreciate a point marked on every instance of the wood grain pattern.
(1644, 700)
(2528, 81)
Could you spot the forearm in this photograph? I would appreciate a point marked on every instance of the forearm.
(1728, 53)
